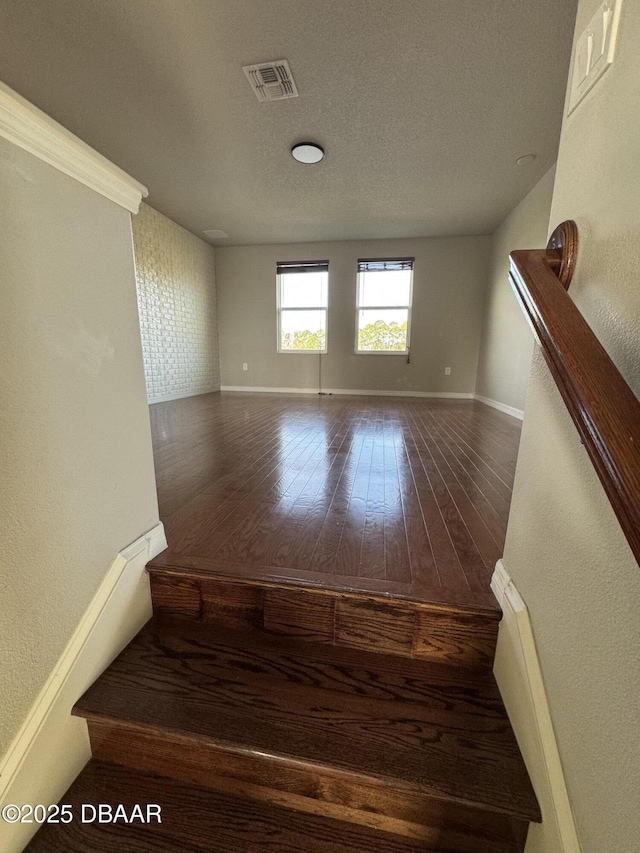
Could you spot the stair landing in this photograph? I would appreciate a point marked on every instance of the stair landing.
(318, 672)
(399, 497)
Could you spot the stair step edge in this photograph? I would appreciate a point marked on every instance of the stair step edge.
(218, 812)
(403, 628)
(222, 745)
(492, 611)
(442, 599)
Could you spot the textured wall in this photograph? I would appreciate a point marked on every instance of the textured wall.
(448, 288)
(565, 550)
(507, 341)
(177, 305)
(75, 450)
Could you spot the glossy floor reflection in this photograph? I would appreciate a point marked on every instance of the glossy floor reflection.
(408, 496)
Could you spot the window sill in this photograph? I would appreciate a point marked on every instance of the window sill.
(405, 353)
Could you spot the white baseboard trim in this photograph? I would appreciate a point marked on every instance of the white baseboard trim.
(181, 395)
(359, 392)
(502, 407)
(52, 747)
(519, 676)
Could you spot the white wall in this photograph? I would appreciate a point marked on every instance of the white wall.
(507, 342)
(176, 284)
(75, 449)
(448, 288)
(565, 550)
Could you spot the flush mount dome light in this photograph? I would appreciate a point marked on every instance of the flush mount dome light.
(307, 152)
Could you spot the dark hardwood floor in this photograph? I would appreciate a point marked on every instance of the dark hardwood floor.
(198, 820)
(317, 673)
(407, 725)
(398, 496)
(252, 741)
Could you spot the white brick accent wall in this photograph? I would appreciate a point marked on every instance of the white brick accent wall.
(176, 286)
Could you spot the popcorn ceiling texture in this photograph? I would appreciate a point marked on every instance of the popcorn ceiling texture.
(176, 287)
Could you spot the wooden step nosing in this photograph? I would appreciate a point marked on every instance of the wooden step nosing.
(226, 820)
(415, 603)
(307, 764)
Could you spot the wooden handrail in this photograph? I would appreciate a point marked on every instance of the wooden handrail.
(602, 405)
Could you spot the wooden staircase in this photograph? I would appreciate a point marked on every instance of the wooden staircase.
(276, 717)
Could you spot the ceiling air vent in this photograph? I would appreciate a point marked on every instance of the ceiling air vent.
(271, 81)
(215, 234)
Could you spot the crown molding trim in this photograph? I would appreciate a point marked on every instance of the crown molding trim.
(32, 130)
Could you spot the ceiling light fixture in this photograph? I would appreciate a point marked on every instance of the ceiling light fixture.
(307, 152)
(525, 159)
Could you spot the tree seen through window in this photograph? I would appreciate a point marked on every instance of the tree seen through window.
(384, 305)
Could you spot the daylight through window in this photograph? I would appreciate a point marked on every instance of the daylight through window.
(384, 305)
(303, 292)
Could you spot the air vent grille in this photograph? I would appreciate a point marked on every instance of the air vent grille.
(271, 81)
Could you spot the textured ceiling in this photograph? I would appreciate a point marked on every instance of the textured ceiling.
(422, 106)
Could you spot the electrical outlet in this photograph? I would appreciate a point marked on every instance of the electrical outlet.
(447, 371)
(245, 366)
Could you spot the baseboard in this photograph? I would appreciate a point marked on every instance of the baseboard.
(52, 747)
(519, 676)
(359, 392)
(181, 395)
(502, 407)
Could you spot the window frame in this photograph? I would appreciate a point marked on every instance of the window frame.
(280, 309)
(408, 308)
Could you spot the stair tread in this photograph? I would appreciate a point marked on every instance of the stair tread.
(410, 723)
(195, 820)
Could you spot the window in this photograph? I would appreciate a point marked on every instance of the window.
(303, 292)
(383, 316)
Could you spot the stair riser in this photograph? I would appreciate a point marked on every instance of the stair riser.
(453, 827)
(392, 627)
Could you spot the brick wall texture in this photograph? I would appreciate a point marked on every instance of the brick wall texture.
(176, 287)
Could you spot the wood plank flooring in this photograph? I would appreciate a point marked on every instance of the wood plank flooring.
(446, 633)
(197, 820)
(317, 672)
(395, 496)
(426, 728)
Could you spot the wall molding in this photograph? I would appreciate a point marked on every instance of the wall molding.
(519, 675)
(502, 407)
(32, 130)
(360, 392)
(181, 395)
(51, 747)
